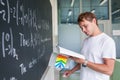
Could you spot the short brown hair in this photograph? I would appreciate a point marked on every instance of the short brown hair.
(87, 16)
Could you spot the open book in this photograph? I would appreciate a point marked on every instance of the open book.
(70, 53)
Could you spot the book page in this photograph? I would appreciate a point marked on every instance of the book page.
(70, 53)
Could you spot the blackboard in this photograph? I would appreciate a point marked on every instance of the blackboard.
(25, 38)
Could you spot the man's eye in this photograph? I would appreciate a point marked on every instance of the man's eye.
(85, 26)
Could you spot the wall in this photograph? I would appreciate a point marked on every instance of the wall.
(116, 37)
(69, 36)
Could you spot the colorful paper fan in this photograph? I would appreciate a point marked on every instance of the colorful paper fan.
(61, 61)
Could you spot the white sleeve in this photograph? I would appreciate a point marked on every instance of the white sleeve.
(109, 49)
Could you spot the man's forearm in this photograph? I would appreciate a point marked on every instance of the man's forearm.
(77, 67)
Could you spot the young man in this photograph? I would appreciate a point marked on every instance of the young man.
(98, 48)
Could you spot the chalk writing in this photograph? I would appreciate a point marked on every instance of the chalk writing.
(23, 69)
(7, 45)
(42, 53)
(25, 38)
(11, 78)
(34, 40)
(32, 63)
(28, 17)
(3, 12)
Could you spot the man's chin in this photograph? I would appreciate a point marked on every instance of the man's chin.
(87, 34)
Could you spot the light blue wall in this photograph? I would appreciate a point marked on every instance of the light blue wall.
(117, 39)
(69, 37)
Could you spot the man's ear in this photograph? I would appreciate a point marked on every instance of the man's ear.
(94, 20)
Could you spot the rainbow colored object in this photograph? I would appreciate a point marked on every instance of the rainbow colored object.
(61, 61)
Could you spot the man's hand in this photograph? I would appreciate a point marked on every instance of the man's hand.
(78, 60)
(67, 73)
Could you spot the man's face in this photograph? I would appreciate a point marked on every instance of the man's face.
(87, 27)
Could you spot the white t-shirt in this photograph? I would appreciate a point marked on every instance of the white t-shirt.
(95, 49)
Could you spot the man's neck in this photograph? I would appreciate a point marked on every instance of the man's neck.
(97, 32)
